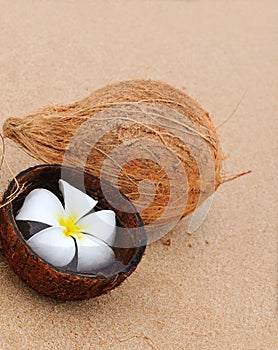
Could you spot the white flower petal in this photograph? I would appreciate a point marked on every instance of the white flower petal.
(53, 246)
(43, 206)
(93, 254)
(100, 224)
(77, 203)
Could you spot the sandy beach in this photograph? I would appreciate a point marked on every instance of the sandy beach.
(214, 289)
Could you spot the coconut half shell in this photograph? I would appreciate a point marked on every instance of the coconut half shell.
(46, 279)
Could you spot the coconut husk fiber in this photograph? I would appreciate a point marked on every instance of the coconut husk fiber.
(2, 150)
(132, 133)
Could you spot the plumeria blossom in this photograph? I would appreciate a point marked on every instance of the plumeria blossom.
(74, 229)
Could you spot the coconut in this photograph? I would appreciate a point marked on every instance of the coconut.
(149, 139)
(129, 245)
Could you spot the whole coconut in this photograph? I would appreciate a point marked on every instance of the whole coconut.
(151, 140)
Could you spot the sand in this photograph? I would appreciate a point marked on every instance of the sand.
(215, 288)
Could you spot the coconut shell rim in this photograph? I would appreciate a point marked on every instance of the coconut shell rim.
(128, 269)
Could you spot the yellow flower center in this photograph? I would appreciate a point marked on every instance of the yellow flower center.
(70, 228)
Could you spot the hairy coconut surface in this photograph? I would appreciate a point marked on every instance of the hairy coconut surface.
(132, 133)
(54, 282)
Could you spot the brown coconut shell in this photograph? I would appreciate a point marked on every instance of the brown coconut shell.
(48, 132)
(49, 280)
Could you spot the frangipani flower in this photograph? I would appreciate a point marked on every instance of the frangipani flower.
(74, 229)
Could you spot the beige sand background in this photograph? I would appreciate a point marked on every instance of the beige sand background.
(216, 288)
